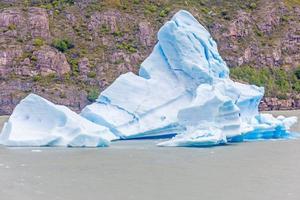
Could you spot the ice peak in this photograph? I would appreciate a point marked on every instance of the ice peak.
(189, 47)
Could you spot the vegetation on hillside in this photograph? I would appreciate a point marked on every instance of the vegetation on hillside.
(278, 82)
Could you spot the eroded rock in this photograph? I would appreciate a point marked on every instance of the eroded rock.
(49, 60)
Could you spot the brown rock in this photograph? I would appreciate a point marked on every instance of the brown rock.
(38, 23)
(112, 20)
(269, 21)
(25, 69)
(84, 65)
(49, 60)
(273, 103)
(7, 57)
(11, 17)
(241, 26)
(146, 34)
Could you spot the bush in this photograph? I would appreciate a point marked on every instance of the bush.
(92, 74)
(277, 81)
(38, 42)
(104, 29)
(118, 33)
(252, 6)
(33, 58)
(151, 8)
(74, 66)
(47, 6)
(128, 47)
(297, 73)
(62, 44)
(113, 3)
(12, 27)
(164, 12)
(93, 94)
(285, 18)
(37, 78)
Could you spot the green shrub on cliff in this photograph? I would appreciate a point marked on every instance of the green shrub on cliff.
(12, 27)
(151, 8)
(50, 4)
(37, 78)
(38, 42)
(127, 46)
(74, 65)
(164, 12)
(277, 81)
(62, 44)
(252, 6)
(93, 94)
(92, 74)
(297, 73)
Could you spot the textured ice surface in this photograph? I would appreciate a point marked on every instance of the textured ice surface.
(183, 88)
(38, 122)
(201, 137)
(185, 57)
(265, 126)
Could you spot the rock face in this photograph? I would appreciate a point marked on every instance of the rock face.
(259, 39)
(273, 103)
(38, 23)
(11, 16)
(33, 22)
(146, 34)
(110, 20)
(49, 60)
(110, 38)
(13, 91)
(7, 57)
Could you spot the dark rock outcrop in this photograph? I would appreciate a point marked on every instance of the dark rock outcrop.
(49, 61)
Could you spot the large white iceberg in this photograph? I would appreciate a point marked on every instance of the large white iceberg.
(183, 88)
(185, 57)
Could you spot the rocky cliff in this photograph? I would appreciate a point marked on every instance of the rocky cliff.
(70, 50)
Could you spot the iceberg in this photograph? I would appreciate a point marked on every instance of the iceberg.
(183, 88)
(185, 57)
(197, 138)
(38, 122)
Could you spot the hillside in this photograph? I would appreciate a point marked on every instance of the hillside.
(70, 50)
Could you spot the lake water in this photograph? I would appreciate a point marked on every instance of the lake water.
(138, 170)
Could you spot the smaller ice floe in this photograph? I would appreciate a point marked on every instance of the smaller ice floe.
(266, 126)
(36, 150)
(38, 122)
(197, 138)
(261, 127)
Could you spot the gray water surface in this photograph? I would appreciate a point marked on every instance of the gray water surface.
(138, 170)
